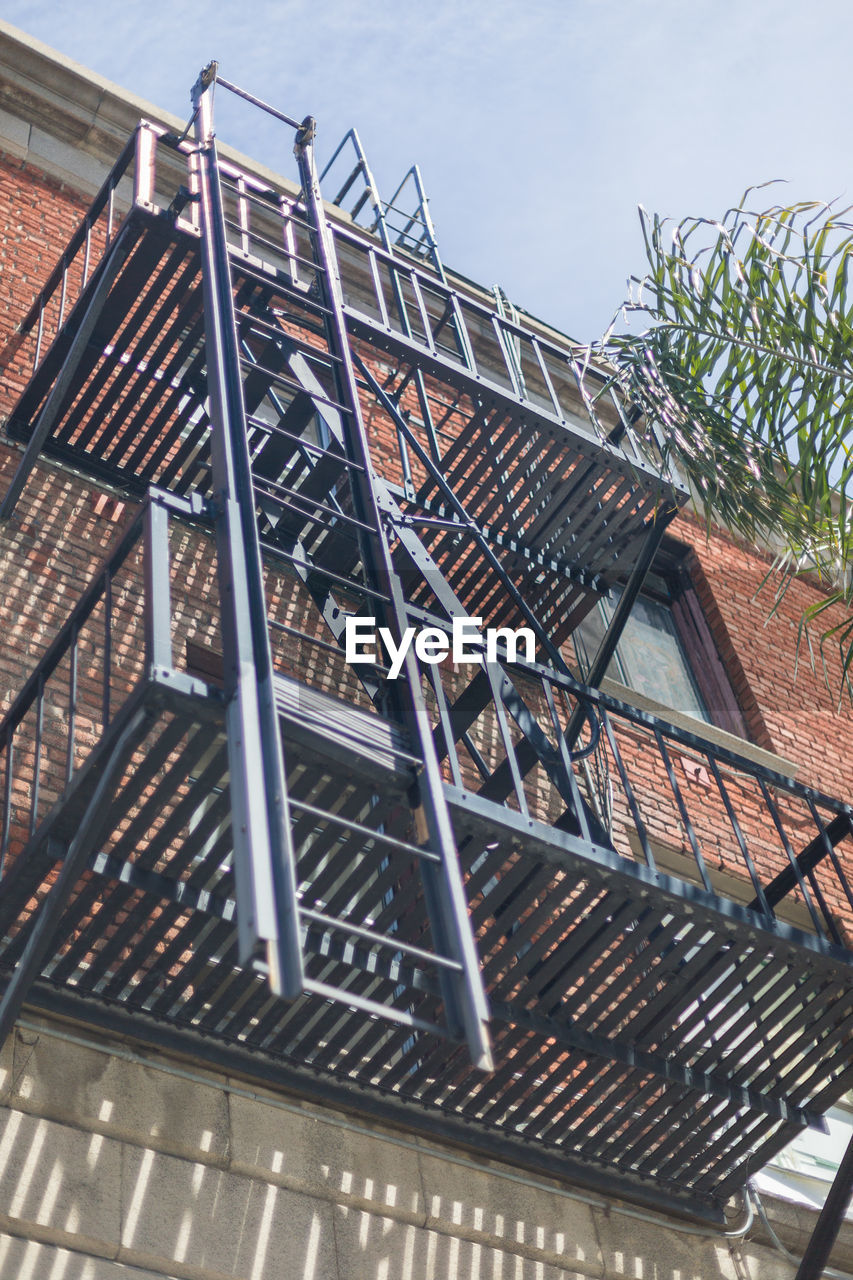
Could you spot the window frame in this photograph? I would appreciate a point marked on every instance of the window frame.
(669, 583)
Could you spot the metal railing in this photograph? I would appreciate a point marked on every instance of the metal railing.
(682, 806)
(399, 297)
(402, 296)
(124, 185)
(117, 636)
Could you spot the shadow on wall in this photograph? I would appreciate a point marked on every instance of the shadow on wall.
(116, 1167)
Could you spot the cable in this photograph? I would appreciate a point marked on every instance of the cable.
(829, 1273)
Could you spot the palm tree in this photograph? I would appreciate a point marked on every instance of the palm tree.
(743, 372)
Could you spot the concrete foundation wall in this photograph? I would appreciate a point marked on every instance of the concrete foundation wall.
(117, 1163)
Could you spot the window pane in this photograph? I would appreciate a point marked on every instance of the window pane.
(654, 661)
(587, 641)
(650, 656)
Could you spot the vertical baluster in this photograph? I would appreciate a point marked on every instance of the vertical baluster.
(429, 340)
(434, 675)
(738, 833)
(377, 287)
(580, 383)
(829, 849)
(827, 914)
(682, 809)
(565, 755)
(540, 359)
(623, 434)
(36, 788)
(811, 873)
(634, 808)
(466, 349)
(110, 214)
(510, 365)
(289, 239)
(7, 798)
(108, 619)
(495, 681)
(72, 707)
(39, 333)
(795, 866)
(88, 251)
(63, 291)
(243, 214)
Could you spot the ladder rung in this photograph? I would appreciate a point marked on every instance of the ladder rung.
(380, 939)
(385, 1012)
(357, 588)
(269, 489)
(276, 376)
(275, 430)
(402, 846)
(251, 323)
(258, 241)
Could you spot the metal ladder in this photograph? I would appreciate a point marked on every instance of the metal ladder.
(343, 470)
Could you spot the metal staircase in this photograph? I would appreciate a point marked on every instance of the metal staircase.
(241, 844)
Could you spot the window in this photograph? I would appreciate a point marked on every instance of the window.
(803, 1171)
(666, 651)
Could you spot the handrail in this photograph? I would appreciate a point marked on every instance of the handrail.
(619, 438)
(75, 693)
(463, 311)
(83, 233)
(641, 749)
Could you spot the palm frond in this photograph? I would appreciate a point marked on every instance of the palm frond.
(743, 369)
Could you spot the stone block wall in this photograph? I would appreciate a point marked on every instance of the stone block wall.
(119, 1164)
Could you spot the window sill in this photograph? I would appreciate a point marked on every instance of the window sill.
(719, 737)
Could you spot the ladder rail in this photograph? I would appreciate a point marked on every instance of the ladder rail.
(464, 994)
(264, 861)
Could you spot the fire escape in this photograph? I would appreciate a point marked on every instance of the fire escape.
(440, 898)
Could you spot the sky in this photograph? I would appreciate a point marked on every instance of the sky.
(539, 127)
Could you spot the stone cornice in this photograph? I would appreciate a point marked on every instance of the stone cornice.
(72, 122)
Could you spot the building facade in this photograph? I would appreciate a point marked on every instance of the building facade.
(308, 971)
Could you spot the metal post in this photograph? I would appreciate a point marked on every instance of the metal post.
(143, 176)
(829, 1222)
(158, 611)
(90, 833)
(264, 862)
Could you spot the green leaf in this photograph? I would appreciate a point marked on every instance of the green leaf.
(743, 368)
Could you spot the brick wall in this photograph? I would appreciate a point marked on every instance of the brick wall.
(792, 705)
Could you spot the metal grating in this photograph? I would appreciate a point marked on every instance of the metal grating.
(631, 1030)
